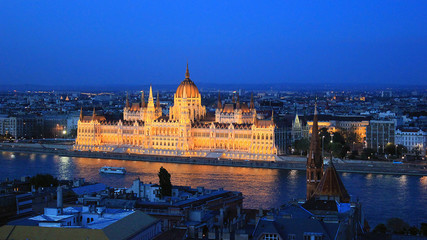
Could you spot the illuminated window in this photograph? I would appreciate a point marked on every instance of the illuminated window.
(270, 237)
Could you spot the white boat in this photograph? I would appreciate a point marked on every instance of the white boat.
(113, 170)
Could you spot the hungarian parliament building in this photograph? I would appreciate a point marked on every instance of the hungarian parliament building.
(234, 133)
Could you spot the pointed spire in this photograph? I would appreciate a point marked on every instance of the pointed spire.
(238, 101)
(150, 95)
(314, 157)
(127, 100)
(187, 73)
(219, 105)
(81, 113)
(150, 98)
(252, 105)
(233, 99)
(315, 107)
(296, 121)
(158, 100)
(142, 99)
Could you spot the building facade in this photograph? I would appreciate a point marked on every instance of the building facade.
(11, 125)
(346, 124)
(235, 132)
(379, 133)
(414, 139)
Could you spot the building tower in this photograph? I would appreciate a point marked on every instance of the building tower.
(252, 105)
(314, 159)
(150, 107)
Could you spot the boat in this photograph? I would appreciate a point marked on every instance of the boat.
(113, 170)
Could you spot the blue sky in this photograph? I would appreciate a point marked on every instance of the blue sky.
(143, 42)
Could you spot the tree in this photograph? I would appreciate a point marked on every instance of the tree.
(368, 153)
(44, 180)
(390, 149)
(351, 136)
(380, 228)
(165, 182)
(302, 145)
(326, 136)
(413, 230)
(416, 150)
(338, 138)
(401, 149)
(397, 225)
(423, 229)
(353, 154)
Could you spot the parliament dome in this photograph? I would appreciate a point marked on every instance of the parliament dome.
(191, 89)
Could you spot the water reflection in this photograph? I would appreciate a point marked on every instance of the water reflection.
(423, 181)
(403, 180)
(382, 196)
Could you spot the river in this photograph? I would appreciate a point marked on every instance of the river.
(382, 196)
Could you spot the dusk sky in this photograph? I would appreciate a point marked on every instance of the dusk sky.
(142, 42)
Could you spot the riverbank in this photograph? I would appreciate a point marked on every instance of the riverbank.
(289, 163)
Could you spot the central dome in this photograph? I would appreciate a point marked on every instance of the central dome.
(191, 89)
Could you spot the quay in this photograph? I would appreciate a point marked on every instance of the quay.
(284, 162)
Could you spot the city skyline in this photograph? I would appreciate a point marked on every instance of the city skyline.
(92, 44)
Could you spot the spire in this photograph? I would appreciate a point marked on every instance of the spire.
(238, 101)
(219, 105)
(81, 114)
(150, 97)
(187, 73)
(127, 100)
(252, 105)
(158, 100)
(314, 157)
(296, 121)
(142, 99)
(233, 100)
(315, 107)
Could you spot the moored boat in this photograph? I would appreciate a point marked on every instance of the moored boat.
(113, 170)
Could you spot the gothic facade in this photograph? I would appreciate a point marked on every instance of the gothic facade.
(236, 133)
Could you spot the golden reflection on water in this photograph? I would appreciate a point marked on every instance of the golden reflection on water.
(252, 182)
(397, 195)
(423, 181)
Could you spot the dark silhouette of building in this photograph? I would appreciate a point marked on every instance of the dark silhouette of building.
(314, 159)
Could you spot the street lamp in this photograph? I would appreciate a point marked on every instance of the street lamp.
(323, 140)
(332, 140)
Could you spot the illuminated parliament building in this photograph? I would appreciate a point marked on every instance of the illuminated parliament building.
(235, 133)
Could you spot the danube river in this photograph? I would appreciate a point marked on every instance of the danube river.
(382, 196)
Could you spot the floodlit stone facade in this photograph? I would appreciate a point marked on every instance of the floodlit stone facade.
(235, 133)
